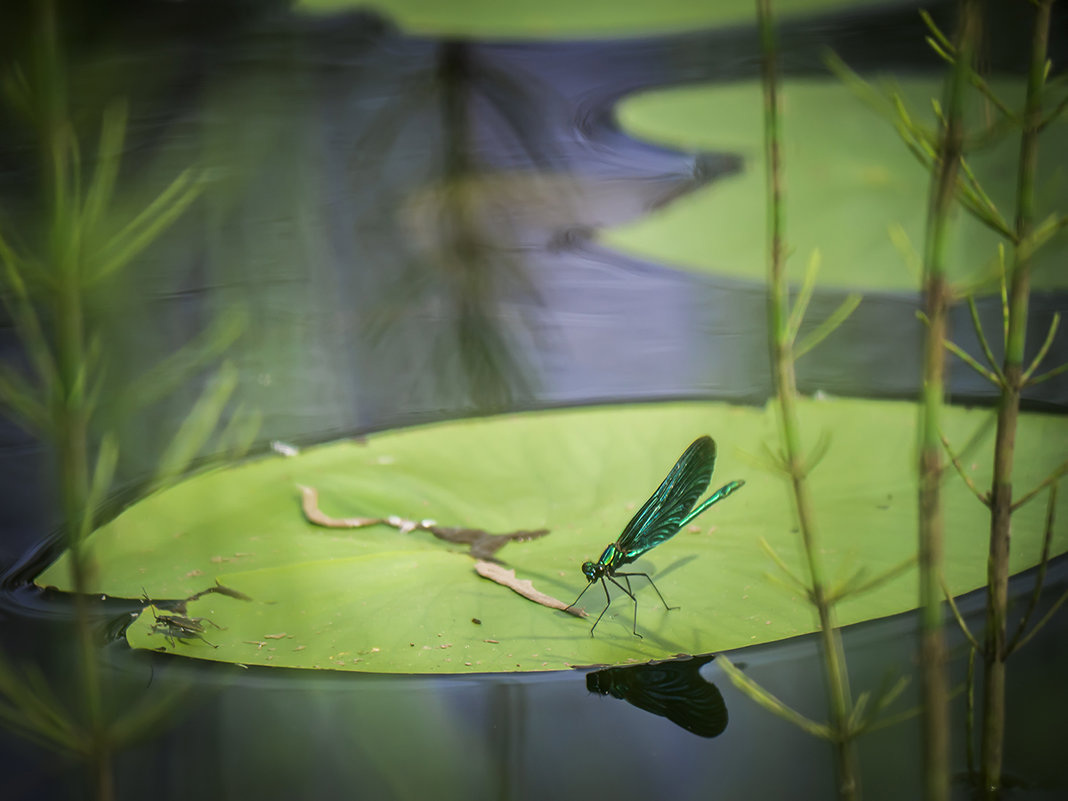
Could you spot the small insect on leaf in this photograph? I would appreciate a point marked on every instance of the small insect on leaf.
(179, 628)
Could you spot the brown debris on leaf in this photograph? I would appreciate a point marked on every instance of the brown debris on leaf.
(309, 497)
(524, 587)
(180, 606)
(483, 545)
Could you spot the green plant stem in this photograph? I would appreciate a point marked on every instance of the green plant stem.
(1040, 579)
(46, 297)
(69, 406)
(782, 358)
(994, 651)
(934, 683)
(761, 696)
(969, 712)
(72, 426)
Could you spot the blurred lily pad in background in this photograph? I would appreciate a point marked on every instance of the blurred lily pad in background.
(527, 19)
(841, 199)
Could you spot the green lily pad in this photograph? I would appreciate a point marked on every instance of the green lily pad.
(563, 18)
(378, 600)
(841, 198)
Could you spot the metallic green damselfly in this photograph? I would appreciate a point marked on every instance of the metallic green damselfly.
(661, 517)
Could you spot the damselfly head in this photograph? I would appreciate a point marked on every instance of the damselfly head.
(593, 570)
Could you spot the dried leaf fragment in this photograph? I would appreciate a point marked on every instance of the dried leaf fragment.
(310, 506)
(482, 544)
(524, 587)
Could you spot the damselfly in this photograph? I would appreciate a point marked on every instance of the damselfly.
(661, 517)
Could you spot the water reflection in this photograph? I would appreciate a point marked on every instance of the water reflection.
(462, 271)
(673, 689)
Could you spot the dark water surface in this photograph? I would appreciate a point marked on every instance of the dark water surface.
(375, 302)
(269, 734)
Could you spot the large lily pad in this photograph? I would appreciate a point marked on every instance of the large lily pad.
(378, 600)
(564, 18)
(841, 198)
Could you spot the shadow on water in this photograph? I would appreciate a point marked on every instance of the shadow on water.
(671, 689)
(410, 221)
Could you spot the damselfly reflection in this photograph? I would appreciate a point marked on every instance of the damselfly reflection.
(674, 690)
